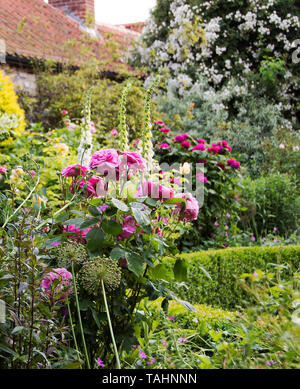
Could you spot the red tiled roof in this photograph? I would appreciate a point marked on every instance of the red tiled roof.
(34, 29)
(137, 27)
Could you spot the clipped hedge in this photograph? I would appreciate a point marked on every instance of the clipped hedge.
(224, 267)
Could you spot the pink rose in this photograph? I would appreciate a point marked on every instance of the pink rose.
(75, 233)
(181, 138)
(233, 163)
(199, 146)
(62, 289)
(159, 122)
(135, 161)
(32, 172)
(185, 144)
(165, 130)
(190, 209)
(74, 170)
(128, 227)
(105, 161)
(164, 146)
(201, 141)
(204, 161)
(114, 132)
(63, 112)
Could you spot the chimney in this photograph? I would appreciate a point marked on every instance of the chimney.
(84, 10)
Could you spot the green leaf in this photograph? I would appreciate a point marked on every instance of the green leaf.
(135, 264)
(94, 211)
(94, 238)
(180, 270)
(17, 329)
(62, 218)
(175, 200)
(96, 202)
(120, 205)
(140, 213)
(76, 222)
(118, 253)
(111, 227)
(160, 271)
(89, 223)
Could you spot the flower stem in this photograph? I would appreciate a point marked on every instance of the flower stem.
(73, 332)
(21, 205)
(79, 319)
(110, 326)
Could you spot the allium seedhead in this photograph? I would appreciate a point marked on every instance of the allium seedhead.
(98, 269)
(71, 252)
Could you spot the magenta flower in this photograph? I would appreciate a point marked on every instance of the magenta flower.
(164, 146)
(75, 234)
(182, 340)
(32, 172)
(61, 290)
(185, 144)
(201, 178)
(164, 342)
(204, 161)
(114, 132)
(181, 138)
(159, 122)
(255, 274)
(221, 166)
(105, 160)
(253, 238)
(63, 112)
(142, 355)
(275, 229)
(151, 361)
(233, 163)
(100, 362)
(165, 130)
(171, 317)
(135, 346)
(135, 161)
(74, 170)
(199, 146)
(200, 140)
(3, 169)
(128, 227)
(190, 209)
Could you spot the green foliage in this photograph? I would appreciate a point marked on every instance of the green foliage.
(224, 267)
(273, 201)
(64, 91)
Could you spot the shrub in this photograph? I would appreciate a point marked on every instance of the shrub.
(225, 267)
(273, 202)
(221, 41)
(12, 120)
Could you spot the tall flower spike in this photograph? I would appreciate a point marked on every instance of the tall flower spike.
(86, 142)
(146, 146)
(123, 145)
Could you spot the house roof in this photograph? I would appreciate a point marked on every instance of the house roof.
(36, 30)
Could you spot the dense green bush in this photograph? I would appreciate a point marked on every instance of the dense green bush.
(273, 202)
(224, 267)
(252, 40)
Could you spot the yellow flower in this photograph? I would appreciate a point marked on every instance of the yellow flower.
(61, 147)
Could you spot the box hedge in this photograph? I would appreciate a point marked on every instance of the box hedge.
(225, 267)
